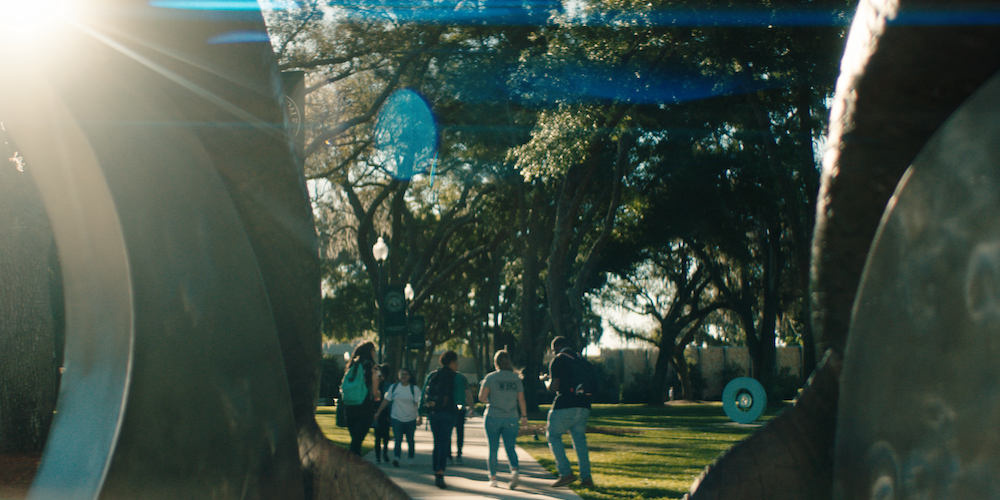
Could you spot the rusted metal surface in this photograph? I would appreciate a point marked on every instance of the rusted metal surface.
(920, 398)
(141, 134)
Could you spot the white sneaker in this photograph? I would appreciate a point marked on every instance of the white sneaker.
(493, 482)
(513, 480)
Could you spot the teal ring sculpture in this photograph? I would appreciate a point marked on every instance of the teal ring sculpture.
(744, 400)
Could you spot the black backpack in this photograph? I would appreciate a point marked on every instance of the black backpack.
(439, 393)
(583, 381)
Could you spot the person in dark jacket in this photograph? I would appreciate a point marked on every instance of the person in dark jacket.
(569, 413)
(359, 417)
(439, 399)
(382, 420)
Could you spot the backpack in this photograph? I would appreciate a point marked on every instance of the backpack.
(439, 395)
(354, 390)
(583, 377)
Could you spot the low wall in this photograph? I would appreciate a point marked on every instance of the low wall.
(716, 364)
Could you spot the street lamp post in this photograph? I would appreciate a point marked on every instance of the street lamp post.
(408, 294)
(381, 252)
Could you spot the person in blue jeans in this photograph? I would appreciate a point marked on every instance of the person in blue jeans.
(503, 393)
(404, 400)
(441, 390)
(569, 413)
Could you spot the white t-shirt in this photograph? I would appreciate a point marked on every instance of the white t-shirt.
(405, 403)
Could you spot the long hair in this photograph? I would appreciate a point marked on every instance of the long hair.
(502, 360)
(365, 351)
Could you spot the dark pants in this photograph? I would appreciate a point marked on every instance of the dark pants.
(359, 420)
(382, 437)
(442, 423)
(459, 433)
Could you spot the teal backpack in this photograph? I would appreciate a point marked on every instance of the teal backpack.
(354, 389)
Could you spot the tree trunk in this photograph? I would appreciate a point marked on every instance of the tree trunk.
(655, 396)
(683, 373)
(766, 350)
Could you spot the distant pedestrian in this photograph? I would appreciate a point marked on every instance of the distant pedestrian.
(404, 398)
(439, 397)
(360, 416)
(569, 413)
(503, 392)
(382, 419)
(464, 407)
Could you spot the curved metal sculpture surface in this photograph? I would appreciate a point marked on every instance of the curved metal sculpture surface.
(920, 371)
(150, 144)
(899, 82)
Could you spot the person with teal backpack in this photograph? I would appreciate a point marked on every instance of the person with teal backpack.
(360, 400)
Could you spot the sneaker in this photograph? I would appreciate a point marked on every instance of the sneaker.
(587, 483)
(493, 482)
(513, 480)
(439, 482)
(563, 481)
(395, 463)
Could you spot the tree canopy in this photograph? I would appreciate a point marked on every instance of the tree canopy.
(523, 159)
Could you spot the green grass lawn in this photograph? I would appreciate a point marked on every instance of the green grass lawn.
(639, 452)
(636, 452)
(326, 417)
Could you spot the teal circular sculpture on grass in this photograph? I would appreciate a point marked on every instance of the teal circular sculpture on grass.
(744, 400)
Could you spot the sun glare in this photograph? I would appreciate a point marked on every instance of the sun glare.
(27, 25)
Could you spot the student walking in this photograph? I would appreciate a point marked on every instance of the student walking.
(569, 413)
(503, 393)
(404, 398)
(464, 407)
(381, 419)
(439, 396)
(360, 416)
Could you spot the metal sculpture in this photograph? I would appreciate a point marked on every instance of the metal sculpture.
(921, 362)
(902, 76)
(174, 383)
(744, 400)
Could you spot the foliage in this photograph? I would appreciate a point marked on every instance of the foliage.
(578, 145)
(331, 374)
(786, 384)
(637, 391)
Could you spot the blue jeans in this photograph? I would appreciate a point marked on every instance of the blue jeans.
(442, 422)
(400, 429)
(496, 427)
(573, 420)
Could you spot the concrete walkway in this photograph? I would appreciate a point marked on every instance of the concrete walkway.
(469, 480)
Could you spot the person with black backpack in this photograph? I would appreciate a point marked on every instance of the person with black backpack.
(568, 378)
(440, 394)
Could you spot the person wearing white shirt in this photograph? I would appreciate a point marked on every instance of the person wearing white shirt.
(404, 417)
